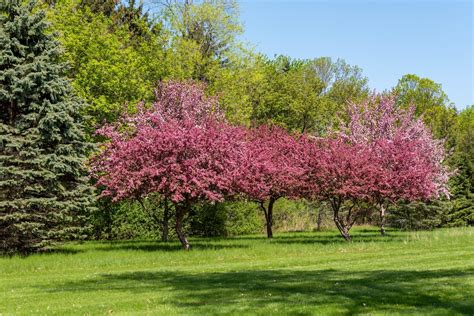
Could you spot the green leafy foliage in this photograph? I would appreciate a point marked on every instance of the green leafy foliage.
(130, 220)
(304, 95)
(431, 102)
(225, 219)
(110, 65)
(117, 53)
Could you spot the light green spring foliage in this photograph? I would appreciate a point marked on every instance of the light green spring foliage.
(110, 67)
(113, 66)
(286, 95)
(416, 273)
(202, 37)
(236, 83)
(304, 95)
(430, 101)
(212, 25)
(204, 46)
(44, 194)
(225, 219)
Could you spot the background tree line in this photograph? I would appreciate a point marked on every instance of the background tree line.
(120, 50)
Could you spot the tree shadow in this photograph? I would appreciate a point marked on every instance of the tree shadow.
(216, 243)
(164, 246)
(62, 249)
(330, 237)
(296, 291)
(336, 239)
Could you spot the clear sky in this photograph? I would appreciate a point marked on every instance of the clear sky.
(386, 38)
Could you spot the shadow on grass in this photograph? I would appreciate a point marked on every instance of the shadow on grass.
(216, 243)
(336, 239)
(296, 291)
(163, 246)
(63, 250)
(328, 237)
(202, 243)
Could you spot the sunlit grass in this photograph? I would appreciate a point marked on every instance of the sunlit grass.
(297, 273)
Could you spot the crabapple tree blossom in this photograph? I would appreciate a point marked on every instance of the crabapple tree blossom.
(270, 169)
(408, 161)
(179, 148)
(339, 173)
(383, 154)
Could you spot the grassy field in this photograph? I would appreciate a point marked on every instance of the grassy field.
(295, 273)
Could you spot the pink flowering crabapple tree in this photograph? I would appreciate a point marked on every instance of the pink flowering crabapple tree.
(407, 160)
(270, 169)
(383, 154)
(180, 148)
(338, 173)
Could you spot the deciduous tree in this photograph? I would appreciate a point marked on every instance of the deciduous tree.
(179, 148)
(114, 57)
(408, 161)
(339, 173)
(270, 169)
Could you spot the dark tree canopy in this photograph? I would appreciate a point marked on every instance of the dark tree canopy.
(43, 188)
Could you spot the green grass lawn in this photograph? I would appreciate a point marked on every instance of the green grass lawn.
(295, 273)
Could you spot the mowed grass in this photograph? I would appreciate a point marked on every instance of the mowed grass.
(295, 273)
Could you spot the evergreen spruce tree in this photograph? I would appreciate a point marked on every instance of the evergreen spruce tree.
(462, 187)
(462, 213)
(418, 215)
(44, 193)
(462, 160)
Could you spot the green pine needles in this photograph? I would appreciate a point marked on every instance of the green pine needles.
(44, 191)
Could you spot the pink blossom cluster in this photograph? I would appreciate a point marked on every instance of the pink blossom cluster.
(182, 148)
(184, 152)
(406, 161)
(271, 166)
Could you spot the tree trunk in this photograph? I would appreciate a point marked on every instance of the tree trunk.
(268, 212)
(343, 228)
(109, 228)
(382, 219)
(270, 218)
(319, 221)
(180, 212)
(165, 223)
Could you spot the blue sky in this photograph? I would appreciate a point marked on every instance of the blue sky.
(386, 38)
